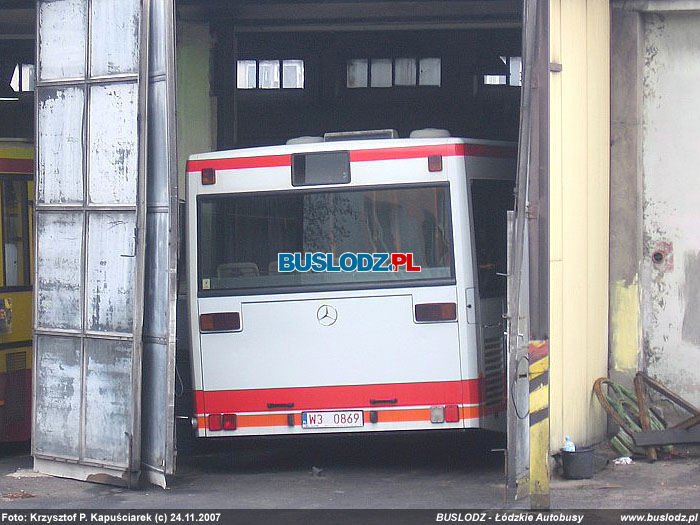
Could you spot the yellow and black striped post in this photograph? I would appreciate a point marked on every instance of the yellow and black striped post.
(539, 424)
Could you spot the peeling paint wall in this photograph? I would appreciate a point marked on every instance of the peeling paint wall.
(670, 269)
(624, 326)
(627, 62)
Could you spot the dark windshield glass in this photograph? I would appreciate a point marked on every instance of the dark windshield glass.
(240, 236)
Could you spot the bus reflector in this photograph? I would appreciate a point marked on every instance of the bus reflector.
(208, 176)
(214, 421)
(229, 422)
(451, 413)
(437, 414)
(434, 162)
(436, 312)
(220, 322)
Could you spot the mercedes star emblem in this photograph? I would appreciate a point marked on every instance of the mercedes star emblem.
(327, 315)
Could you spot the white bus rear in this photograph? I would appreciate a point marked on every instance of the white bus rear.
(308, 352)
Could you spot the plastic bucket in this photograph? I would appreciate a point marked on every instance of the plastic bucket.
(578, 464)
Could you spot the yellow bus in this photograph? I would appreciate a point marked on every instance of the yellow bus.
(16, 241)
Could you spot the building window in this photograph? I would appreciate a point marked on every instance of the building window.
(392, 72)
(380, 73)
(512, 73)
(247, 74)
(357, 73)
(515, 71)
(23, 78)
(495, 80)
(430, 71)
(267, 74)
(405, 72)
(293, 74)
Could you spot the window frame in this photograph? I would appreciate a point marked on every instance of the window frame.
(499, 290)
(280, 64)
(27, 206)
(394, 86)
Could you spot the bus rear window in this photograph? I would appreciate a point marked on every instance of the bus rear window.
(241, 235)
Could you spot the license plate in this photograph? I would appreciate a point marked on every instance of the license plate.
(335, 419)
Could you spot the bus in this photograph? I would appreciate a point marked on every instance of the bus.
(289, 336)
(16, 240)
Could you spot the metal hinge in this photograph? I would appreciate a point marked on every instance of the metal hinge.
(532, 210)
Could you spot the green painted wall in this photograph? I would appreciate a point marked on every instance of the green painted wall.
(196, 109)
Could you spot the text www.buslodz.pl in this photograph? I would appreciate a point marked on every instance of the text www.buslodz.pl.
(346, 262)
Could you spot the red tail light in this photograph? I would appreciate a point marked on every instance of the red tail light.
(434, 162)
(214, 421)
(429, 312)
(229, 422)
(220, 322)
(208, 176)
(451, 413)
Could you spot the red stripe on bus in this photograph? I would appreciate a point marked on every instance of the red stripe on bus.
(236, 163)
(446, 150)
(360, 155)
(337, 397)
(16, 165)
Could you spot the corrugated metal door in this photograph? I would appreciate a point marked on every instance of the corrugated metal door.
(90, 214)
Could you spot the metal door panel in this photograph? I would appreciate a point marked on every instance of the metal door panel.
(159, 147)
(62, 34)
(155, 323)
(518, 387)
(161, 38)
(59, 271)
(113, 156)
(108, 401)
(58, 389)
(114, 37)
(95, 227)
(111, 272)
(158, 398)
(60, 162)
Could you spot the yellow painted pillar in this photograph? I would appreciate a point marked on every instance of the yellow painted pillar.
(539, 424)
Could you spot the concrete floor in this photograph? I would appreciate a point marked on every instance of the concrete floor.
(426, 471)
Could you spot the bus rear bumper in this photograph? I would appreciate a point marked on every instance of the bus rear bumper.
(371, 420)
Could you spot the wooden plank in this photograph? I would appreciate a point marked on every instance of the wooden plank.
(670, 436)
(643, 412)
(688, 423)
(660, 388)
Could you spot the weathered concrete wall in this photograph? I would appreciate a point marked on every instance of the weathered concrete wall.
(655, 217)
(196, 108)
(671, 216)
(579, 220)
(627, 62)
